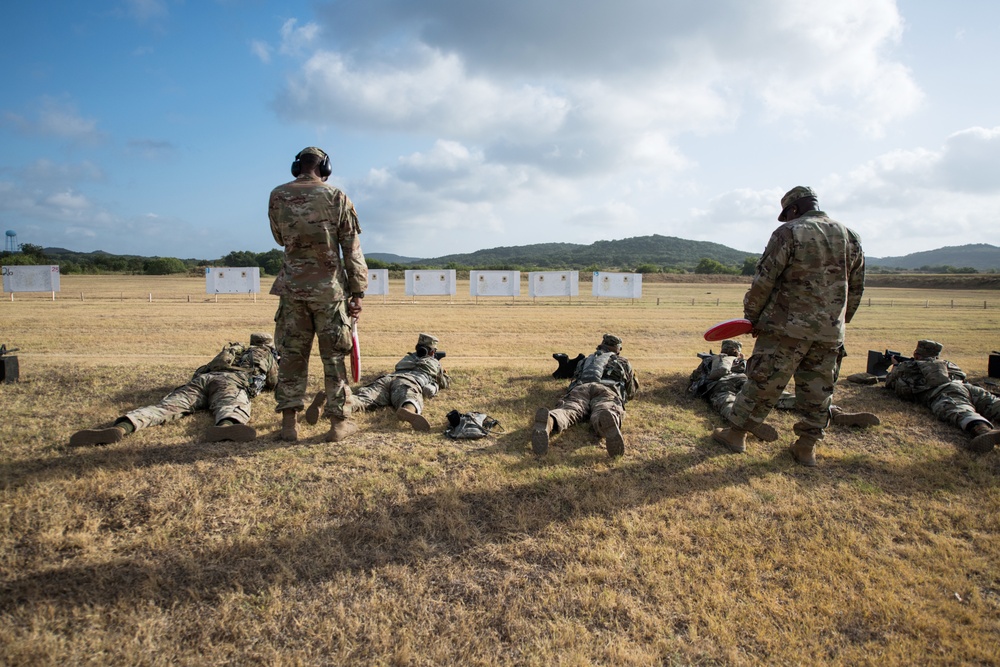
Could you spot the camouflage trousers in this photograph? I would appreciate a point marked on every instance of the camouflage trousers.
(593, 399)
(722, 401)
(962, 404)
(776, 360)
(389, 390)
(296, 324)
(225, 394)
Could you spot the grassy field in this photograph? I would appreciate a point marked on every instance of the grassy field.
(403, 548)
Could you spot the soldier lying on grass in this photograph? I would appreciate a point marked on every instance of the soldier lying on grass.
(224, 385)
(940, 385)
(719, 378)
(602, 384)
(418, 375)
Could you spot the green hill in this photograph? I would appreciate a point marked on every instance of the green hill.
(978, 256)
(661, 251)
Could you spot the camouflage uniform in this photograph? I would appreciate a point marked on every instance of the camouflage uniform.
(225, 386)
(941, 386)
(602, 383)
(414, 378)
(719, 378)
(807, 285)
(315, 223)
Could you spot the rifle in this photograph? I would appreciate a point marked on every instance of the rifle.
(880, 362)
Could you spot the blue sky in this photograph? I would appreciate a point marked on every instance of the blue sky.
(158, 127)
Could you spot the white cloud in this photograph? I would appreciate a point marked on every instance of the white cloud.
(295, 39)
(146, 10)
(57, 118)
(261, 49)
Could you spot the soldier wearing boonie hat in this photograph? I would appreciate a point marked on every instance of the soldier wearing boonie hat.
(322, 281)
(602, 384)
(806, 287)
(940, 385)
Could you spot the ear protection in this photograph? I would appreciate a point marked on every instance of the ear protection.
(324, 167)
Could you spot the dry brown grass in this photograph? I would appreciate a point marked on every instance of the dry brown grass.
(408, 549)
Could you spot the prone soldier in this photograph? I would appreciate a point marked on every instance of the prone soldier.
(940, 385)
(224, 385)
(602, 384)
(418, 375)
(719, 378)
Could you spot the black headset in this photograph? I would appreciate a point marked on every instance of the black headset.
(324, 167)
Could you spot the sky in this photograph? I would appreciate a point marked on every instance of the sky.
(159, 127)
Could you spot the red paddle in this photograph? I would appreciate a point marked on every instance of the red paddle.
(355, 351)
(729, 329)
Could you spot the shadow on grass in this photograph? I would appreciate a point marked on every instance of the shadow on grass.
(445, 523)
(126, 456)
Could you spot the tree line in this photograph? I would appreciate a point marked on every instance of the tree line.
(269, 262)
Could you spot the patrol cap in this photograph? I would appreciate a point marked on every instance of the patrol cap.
(312, 150)
(928, 348)
(427, 340)
(259, 338)
(610, 340)
(731, 347)
(792, 196)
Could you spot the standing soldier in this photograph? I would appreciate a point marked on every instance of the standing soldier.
(807, 285)
(315, 223)
(602, 384)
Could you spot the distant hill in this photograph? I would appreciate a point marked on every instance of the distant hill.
(623, 254)
(389, 258)
(979, 256)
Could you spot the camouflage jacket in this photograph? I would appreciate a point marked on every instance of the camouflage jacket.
(316, 223)
(922, 379)
(718, 372)
(427, 372)
(609, 369)
(809, 281)
(255, 366)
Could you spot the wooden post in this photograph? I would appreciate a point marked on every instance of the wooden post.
(151, 297)
(81, 296)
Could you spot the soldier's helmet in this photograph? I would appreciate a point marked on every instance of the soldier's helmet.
(427, 340)
(260, 338)
(731, 347)
(928, 348)
(610, 340)
(792, 196)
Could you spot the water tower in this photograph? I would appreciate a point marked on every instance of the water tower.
(10, 241)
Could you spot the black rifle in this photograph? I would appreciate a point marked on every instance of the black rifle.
(440, 354)
(880, 362)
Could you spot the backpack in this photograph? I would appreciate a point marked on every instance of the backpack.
(470, 425)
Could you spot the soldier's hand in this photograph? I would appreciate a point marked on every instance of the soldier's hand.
(354, 308)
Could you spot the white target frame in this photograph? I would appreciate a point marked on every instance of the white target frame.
(430, 282)
(553, 283)
(232, 280)
(495, 283)
(617, 285)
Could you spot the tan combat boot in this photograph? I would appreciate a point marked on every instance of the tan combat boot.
(841, 418)
(408, 413)
(734, 439)
(234, 432)
(541, 431)
(289, 431)
(312, 412)
(340, 429)
(607, 428)
(804, 451)
(984, 438)
(97, 436)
